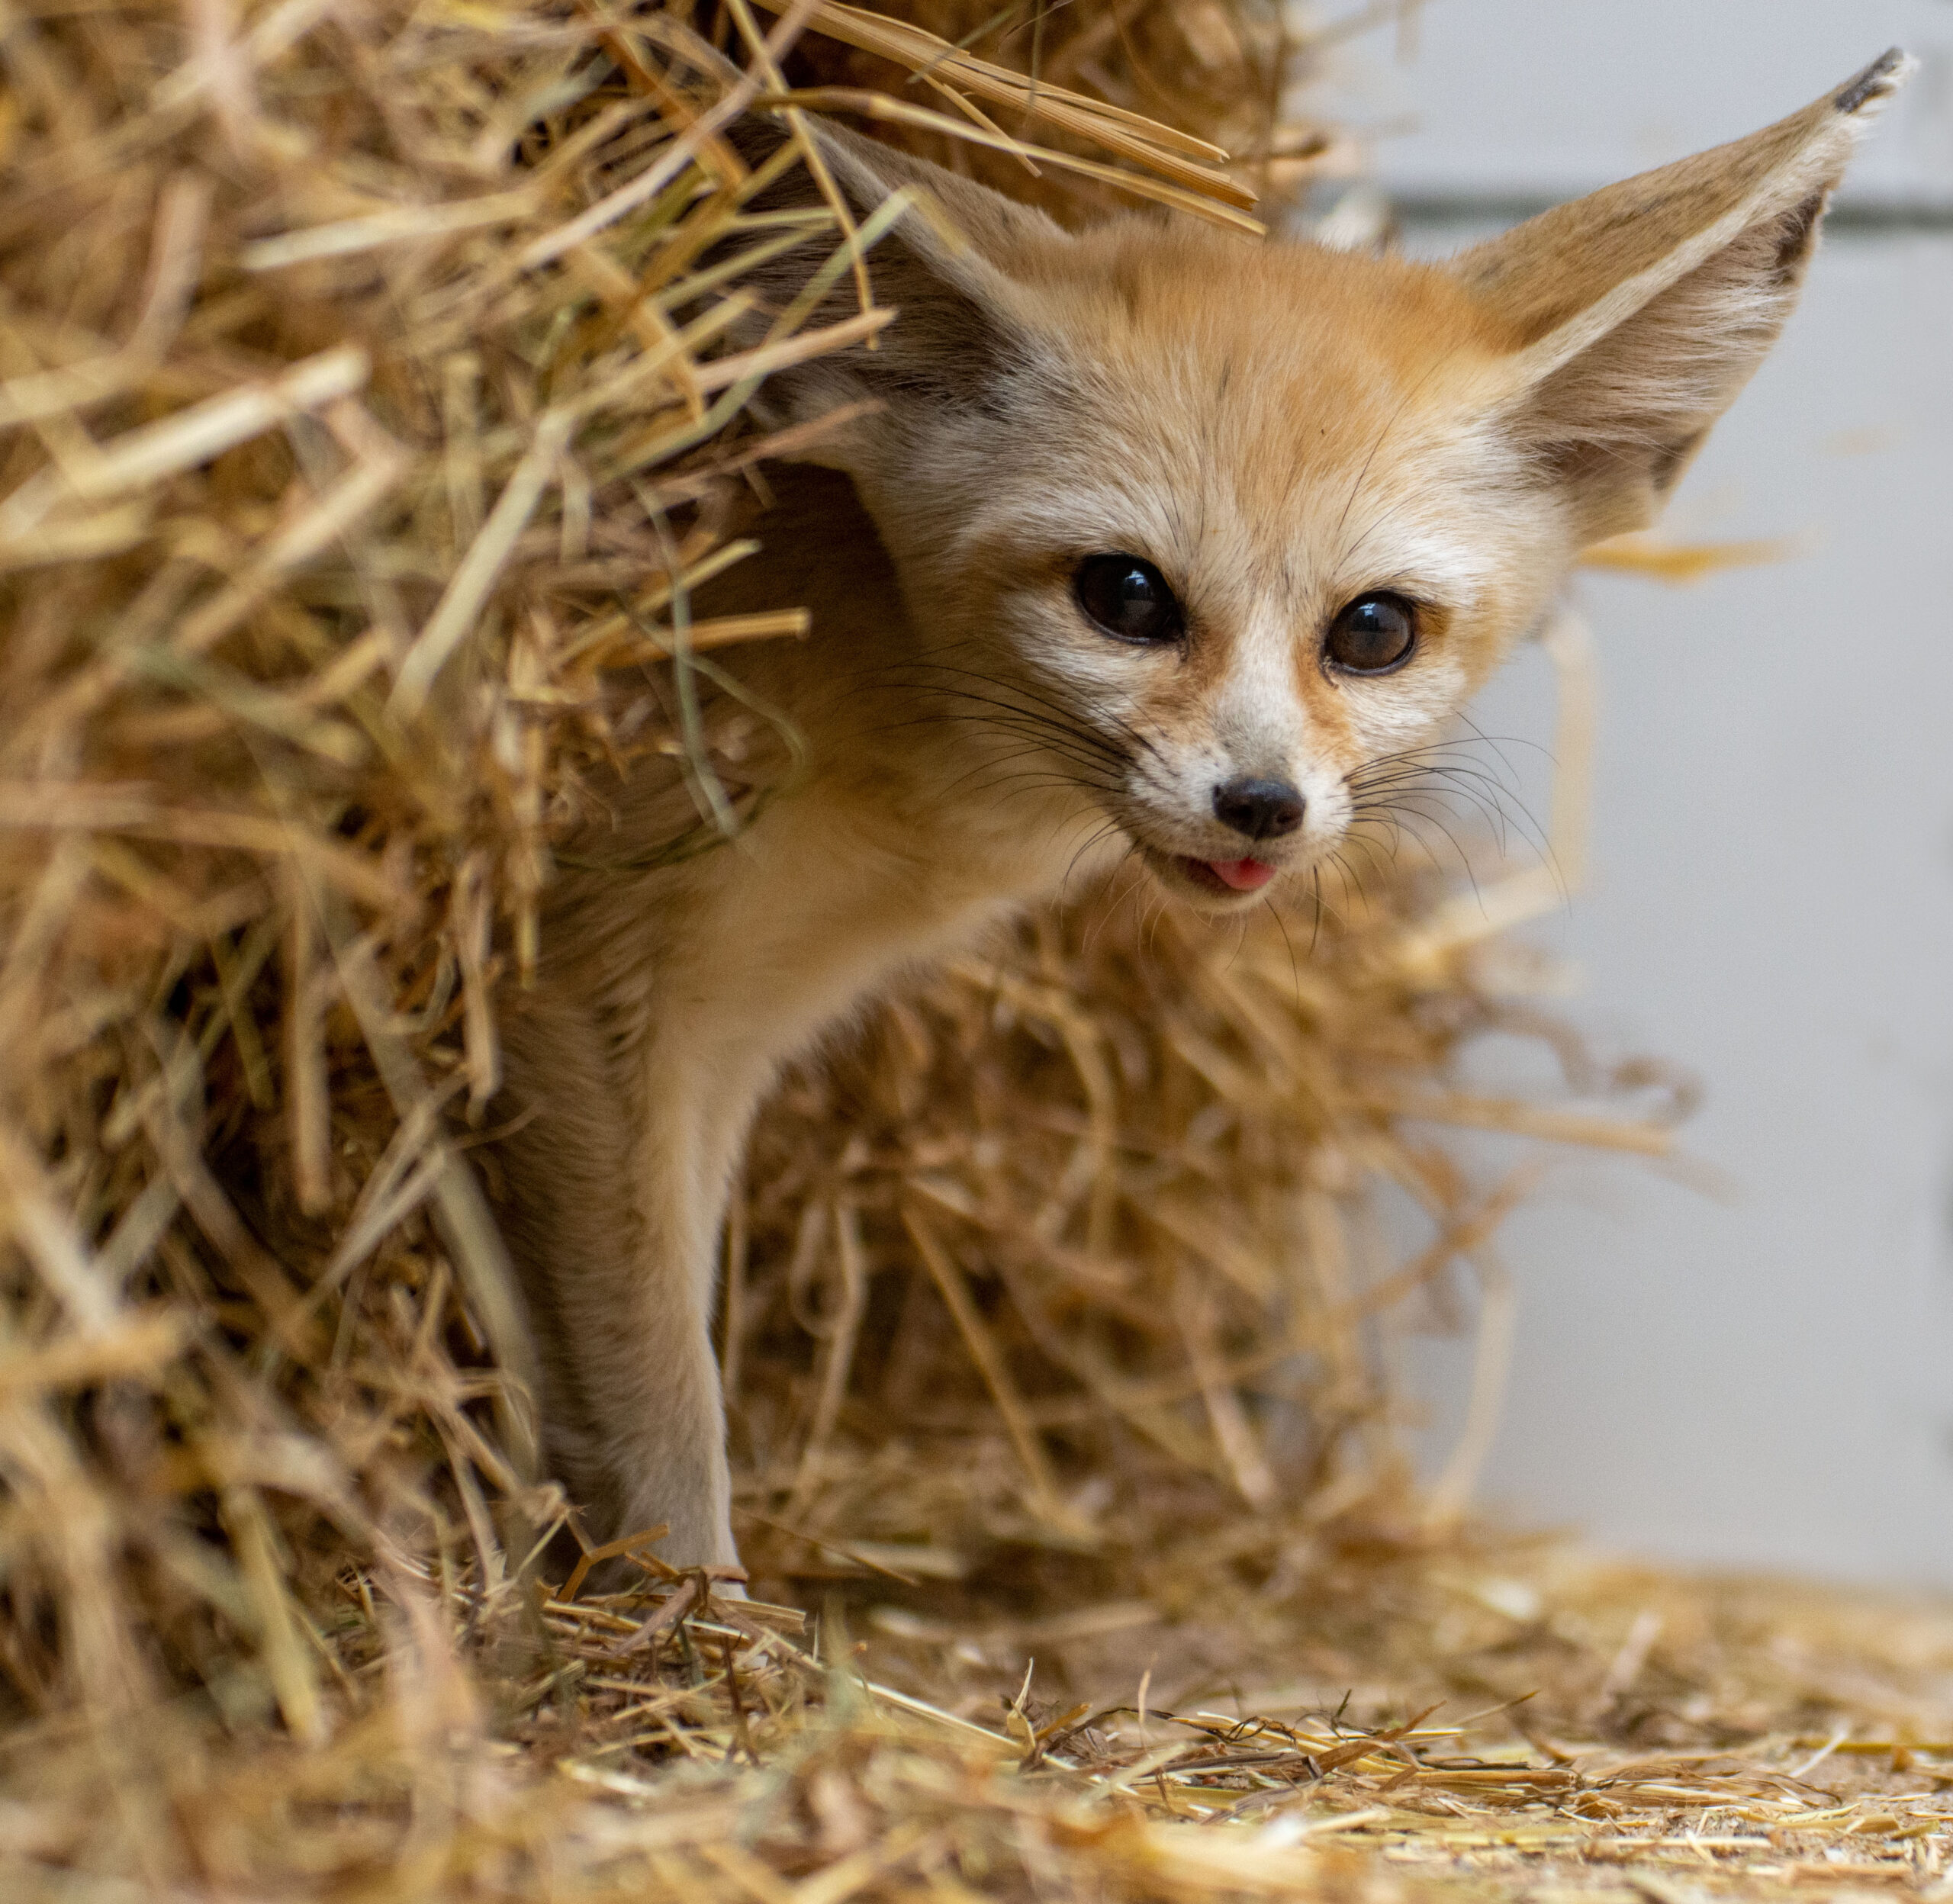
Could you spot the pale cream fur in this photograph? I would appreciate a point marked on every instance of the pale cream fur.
(1280, 429)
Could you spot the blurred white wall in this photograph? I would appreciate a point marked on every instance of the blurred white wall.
(1765, 1380)
(1498, 97)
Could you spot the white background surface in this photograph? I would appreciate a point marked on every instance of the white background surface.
(1501, 95)
(1765, 1380)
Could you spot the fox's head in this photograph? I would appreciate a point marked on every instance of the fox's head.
(1213, 531)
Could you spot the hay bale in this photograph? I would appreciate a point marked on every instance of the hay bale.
(1225, 71)
(1068, 1250)
(342, 375)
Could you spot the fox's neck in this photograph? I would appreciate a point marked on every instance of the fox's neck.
(910, 745)
(894, 840)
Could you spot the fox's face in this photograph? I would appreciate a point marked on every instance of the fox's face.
(1224, 557)
(1213, 538)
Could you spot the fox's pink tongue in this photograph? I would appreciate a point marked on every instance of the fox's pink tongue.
(1244, 876)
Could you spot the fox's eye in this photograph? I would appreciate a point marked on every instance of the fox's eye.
(1127, 598)
(1373, 635)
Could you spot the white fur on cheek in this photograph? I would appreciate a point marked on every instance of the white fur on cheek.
(1401, 709)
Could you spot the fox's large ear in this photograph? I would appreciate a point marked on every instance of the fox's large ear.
(948, 267)
(1636, 315)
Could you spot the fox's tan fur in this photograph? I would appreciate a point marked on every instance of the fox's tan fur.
(1280, 430)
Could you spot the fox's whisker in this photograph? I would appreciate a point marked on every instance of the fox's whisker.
(1281, 926)
(1055, 709)
(1117, 723)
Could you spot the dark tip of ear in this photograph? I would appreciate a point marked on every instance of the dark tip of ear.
(1875, 82)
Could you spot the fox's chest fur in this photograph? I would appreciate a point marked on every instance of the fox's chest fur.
(1137, 547)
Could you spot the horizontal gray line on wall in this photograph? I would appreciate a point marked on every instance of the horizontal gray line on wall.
(1510, 208)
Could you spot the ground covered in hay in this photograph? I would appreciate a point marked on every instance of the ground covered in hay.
(1476, 1719)
(367, 419)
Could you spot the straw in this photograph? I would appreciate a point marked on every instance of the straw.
(345, 352)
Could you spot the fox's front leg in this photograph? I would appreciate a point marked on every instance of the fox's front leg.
(617, 1171)
(663, 1451)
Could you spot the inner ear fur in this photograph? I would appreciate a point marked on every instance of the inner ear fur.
(1634, 316)
(945, 269)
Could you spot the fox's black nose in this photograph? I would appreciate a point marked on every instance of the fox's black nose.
(1262, 809)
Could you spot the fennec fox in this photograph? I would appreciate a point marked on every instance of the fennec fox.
(1137, 544)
